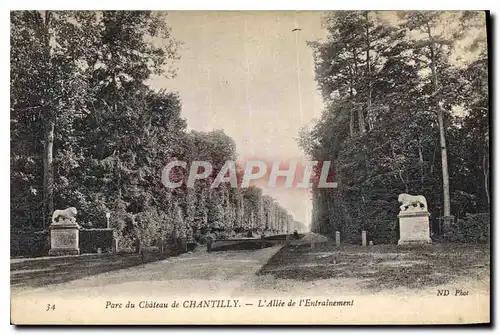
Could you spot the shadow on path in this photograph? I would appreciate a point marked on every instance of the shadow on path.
(38, 272)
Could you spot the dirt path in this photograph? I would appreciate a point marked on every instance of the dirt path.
(375, 280)
(322, 270)
(195, 273)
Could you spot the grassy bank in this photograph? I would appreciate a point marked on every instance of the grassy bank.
(381, 267)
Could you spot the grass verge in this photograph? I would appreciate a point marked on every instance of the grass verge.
(381, 267)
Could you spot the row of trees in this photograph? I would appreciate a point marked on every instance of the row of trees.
(403, 115)
(87, 131)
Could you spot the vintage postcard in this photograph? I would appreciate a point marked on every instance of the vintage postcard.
(249, 167)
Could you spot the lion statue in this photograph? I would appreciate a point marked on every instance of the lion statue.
(67, 214)
(415, 202)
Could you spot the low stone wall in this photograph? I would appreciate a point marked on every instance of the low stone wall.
(252, 244)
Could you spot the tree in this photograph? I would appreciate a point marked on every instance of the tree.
(47, 82)
(435, 46)
(394, 81)
(80, 95)
(426, 22)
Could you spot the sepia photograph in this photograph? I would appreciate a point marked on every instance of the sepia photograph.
(250, 167)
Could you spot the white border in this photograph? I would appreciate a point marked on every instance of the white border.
(254, 5)
(192, 5)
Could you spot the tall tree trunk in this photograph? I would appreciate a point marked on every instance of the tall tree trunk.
(48, 172)
(368, 73)
(49, 125)
(351, 113)
(444, 166)
(442, 137)
(361, 117)
(331, 223)
(421, 163)
(361, 120)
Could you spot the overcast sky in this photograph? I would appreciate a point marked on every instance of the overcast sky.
(238, 72)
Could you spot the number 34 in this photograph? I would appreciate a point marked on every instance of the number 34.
(50, 307)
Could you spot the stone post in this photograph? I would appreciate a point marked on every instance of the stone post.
(414, 228)
(363, 238)
(337, 238)
(115, 245)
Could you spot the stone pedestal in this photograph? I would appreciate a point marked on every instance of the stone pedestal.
(64, 238)
(414, 227)
(337, 238)
(363, 238)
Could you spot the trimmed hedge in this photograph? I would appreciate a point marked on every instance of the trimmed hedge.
(29, 243)
(477, 227)
(474, 228)
(92, 239)
(382, 232)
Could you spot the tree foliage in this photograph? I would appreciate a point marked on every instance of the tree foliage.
(380, 127)
(79, 78)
